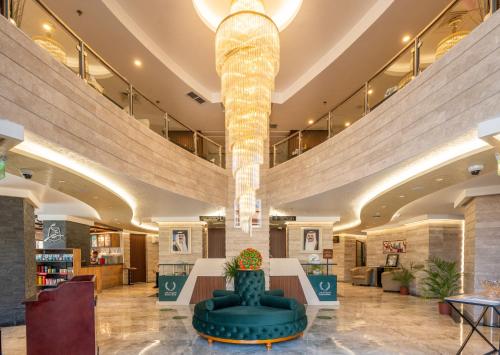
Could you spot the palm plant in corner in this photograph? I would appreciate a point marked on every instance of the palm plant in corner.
(405, 276)
(442, 280)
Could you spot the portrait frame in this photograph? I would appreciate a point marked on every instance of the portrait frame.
(392, 260)
(174, 249)
(304, 235)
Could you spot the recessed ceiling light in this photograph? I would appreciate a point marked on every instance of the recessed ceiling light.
(439, 179)
(62, 181)
(370, 91)
(137, 63)
(416, 188)
(383, 206)
(47, 27)
(406, 38)
(402, 196)
(310, 121)
(95, 197)
(347, 124)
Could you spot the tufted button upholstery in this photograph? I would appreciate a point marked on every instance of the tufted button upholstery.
(250, 320)
(250, 286)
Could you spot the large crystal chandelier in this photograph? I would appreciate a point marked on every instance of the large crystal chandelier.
(247, 60)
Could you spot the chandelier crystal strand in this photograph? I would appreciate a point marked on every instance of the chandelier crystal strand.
(247, 61)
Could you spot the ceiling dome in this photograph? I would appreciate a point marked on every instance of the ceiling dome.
(212, 12)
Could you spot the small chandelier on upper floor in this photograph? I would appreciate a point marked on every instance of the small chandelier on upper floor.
(452, 39)
(247, 61)
(48, 43)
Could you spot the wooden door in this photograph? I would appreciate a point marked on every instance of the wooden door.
(216, 242)
(138, 257)
(277, 243)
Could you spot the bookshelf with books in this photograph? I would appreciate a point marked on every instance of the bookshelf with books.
(54, 266)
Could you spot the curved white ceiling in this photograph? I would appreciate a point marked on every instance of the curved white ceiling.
(46, 199)
(212, 12)
(175, 34)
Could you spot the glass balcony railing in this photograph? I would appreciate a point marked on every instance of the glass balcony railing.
(456, 21)
(48, 31)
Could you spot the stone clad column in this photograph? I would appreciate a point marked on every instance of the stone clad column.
(236, 240)
(17, 258)
(60, 234)
(482, 242)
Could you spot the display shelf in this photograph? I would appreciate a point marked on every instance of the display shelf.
(55, 266)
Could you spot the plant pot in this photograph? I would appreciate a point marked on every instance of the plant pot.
(403, 290)
(444, 308)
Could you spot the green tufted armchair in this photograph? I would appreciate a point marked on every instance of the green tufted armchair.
(249, 314)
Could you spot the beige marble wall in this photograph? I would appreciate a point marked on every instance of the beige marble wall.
(236, 240)
(165, 243)
(344, 252)
(417, 238)
(445, 102)
(295, 240)
(152, 256)
(482, 242)
(52, 103)
(424, 240)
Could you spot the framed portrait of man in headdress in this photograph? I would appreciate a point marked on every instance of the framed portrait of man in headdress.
(181, 241)
(311, 240)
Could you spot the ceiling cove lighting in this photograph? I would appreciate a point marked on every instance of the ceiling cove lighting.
(247, 53)
(213, 12)
(44, 153)
(438, 157)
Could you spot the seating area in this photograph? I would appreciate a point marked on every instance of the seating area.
(388, 283)
(249, 314)
(362, 276)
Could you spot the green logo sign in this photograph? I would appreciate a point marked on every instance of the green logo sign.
(170, 287)
(324, 286)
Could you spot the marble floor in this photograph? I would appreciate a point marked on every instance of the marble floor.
(368, 321)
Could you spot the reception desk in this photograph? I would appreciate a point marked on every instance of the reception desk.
(106, 276)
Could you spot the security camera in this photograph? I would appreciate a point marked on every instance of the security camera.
(26, 173)
(475, 169)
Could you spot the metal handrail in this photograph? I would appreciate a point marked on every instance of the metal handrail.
(83, 47)
(415, 42)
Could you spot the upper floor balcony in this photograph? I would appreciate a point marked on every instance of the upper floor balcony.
(452, 25)
(455, 22)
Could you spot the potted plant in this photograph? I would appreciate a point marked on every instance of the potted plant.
(316, 269)
(231, 269)
(405, 276)
(249, 259)
(442, 280)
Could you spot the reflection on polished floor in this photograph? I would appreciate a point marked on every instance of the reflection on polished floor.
(367, 322)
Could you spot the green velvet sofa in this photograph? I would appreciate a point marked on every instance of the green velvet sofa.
(249, 315)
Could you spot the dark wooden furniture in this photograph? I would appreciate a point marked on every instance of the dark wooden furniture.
(62, 320)
(130, 274)
(277, 242)
(138, 257)
(216, 242)
(290, 285)
(205, 286)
